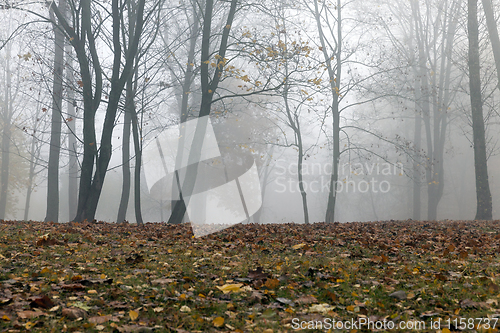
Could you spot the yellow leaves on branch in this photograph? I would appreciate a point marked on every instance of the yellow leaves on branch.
(245, 78)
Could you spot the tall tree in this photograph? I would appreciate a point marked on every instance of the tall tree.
(209, 86)
(52, 213)
(332, 56)
(483, 194)
(72, 136)
(82, 36)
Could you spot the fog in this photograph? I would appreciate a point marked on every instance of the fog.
(362, 95)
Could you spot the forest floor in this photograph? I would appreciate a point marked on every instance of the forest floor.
(432, 276)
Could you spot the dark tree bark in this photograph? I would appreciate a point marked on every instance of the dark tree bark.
(72, 152)
(483, 194)
(83, 41)
(208, 89)
(127, 125)
(137, 167)
(52, 213)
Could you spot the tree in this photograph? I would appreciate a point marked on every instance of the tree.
(82, 36)
(52, 213)
(208, 88)
(332, 52)
(483, 194)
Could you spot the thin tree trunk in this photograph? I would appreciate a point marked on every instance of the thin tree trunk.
(186, 87)
(137, 168)
(6, 135)
(483, 194)
(417, 135)
(335, 78)
(31, 176)
(493, 34)
(71, 123)
(52, 213)
(127, 122)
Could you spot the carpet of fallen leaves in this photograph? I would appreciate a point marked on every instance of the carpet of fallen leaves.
(92, 277)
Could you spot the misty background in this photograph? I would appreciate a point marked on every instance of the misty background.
(382, 89)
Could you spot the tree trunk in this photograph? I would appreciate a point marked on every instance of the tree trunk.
(493, 34)
(183, 116)
(72, 155)
(417, 135)
(208, 89)
(335, 77)
(31, 176)
(483, 195)
(89, 197)
(6, 135)
(137, 168)
(127, 122)
(52, 213)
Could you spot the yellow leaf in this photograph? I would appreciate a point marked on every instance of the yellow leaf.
(103, 276)
(228, 26)
(92, 291)
(218, 322)
(6, 318)
(445, 330)
(227, 288)
(350, 308)
(298, 246)
(133, 314)
(29, 325)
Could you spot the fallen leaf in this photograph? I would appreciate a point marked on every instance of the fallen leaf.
(185, 308)
(306, 300)
(29, 314)
(100, 319)
(320, 308)
(42, 302)
(218, 322)
(227, 288)
(272, 283)
(74, 313)
(400, 294)
(258, 274)
(133, 314)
